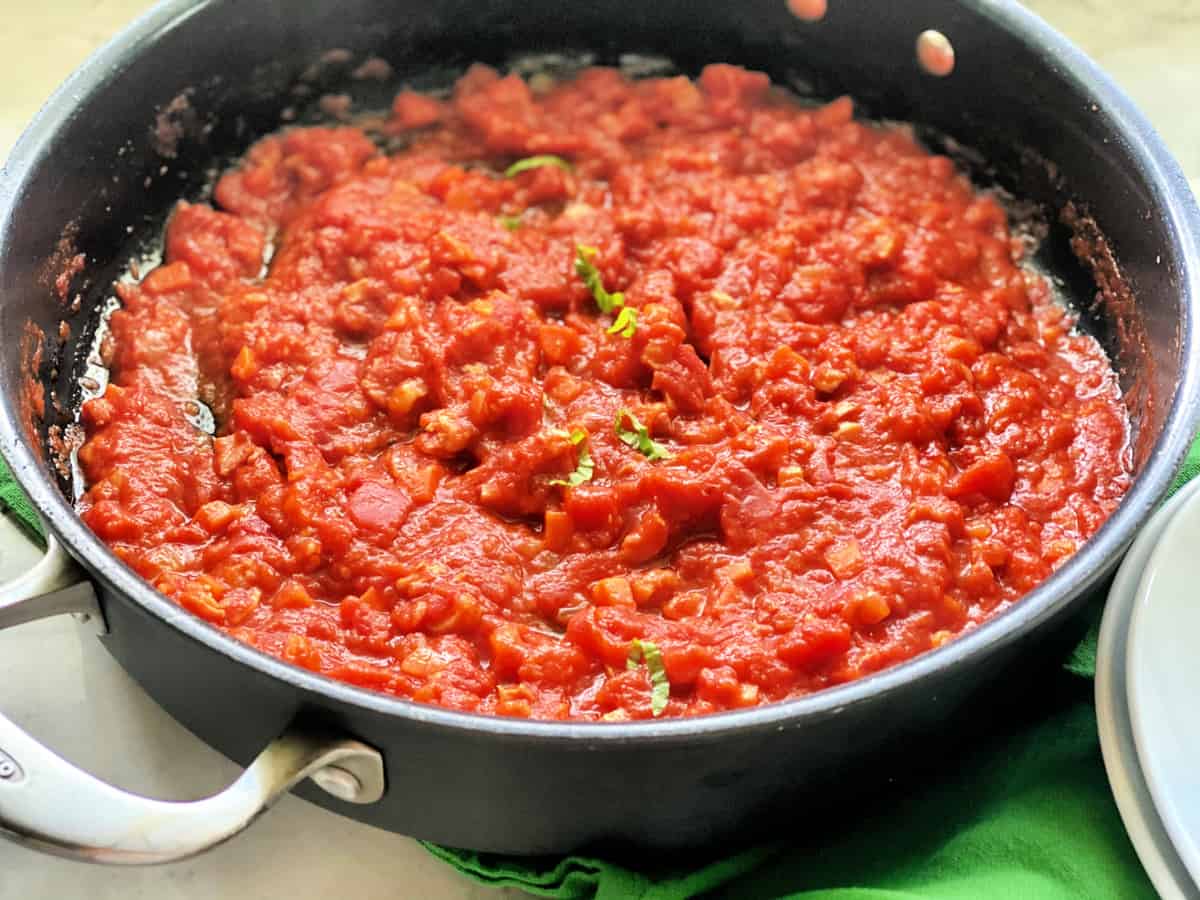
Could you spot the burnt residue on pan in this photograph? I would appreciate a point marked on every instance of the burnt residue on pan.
(173, 124)
(63, 276)
(59, 272)
(31, 397)
(1115, 303)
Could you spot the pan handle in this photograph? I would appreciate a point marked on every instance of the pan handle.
(54, 585)
(50, 805)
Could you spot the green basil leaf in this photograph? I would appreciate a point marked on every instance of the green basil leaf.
(586, 270)
(626, 323)
(638, 437)
(536, 162)
(585, 468)
(660, 688)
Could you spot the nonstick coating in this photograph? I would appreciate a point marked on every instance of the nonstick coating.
(190, 85)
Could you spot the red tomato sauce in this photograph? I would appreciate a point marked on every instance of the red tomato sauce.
(877, 429)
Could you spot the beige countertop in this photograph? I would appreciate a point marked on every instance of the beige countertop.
(90, 711)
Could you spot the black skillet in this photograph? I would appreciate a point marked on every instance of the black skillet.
(190, 85)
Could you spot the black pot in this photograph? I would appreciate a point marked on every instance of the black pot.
(186, 88)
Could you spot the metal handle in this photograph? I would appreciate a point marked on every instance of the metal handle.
(55, 585)
(49, 804)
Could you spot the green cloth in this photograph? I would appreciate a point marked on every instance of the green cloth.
(1025, 814)
(16, 504)
(1030, 817)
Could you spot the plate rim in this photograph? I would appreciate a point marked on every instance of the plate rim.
(1184, 844)
(1135, 803)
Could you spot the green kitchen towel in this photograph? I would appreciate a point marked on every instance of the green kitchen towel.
(16, 503)
(1029, 817)
(1023, 815)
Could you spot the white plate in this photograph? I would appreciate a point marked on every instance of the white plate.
(1134, 801)
(1162, 669)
